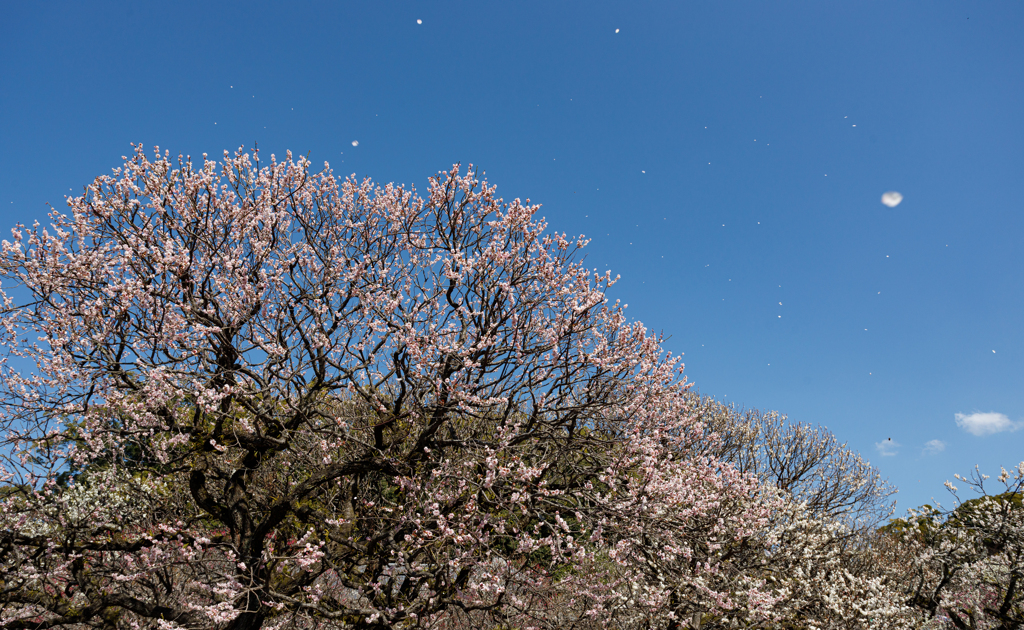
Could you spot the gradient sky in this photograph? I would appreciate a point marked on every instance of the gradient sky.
(728, 159)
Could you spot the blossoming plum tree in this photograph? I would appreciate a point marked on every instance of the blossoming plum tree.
(242, 395)
(807, 463)
(968, 561)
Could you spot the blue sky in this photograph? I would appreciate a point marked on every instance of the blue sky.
(727, 158)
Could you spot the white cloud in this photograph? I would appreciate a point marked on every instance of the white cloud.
(932, 447)
(979, 423)
(887, 448)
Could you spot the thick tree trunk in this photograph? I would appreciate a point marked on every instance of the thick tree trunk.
(248, 621)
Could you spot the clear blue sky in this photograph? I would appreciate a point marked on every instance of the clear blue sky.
(725, 157)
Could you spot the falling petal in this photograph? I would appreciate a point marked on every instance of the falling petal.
(355, 143)
(892, 198)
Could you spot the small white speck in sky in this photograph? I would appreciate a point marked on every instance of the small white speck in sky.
(419, 21)
(643, 171)
(616, 30)
(355, 143)
(892, 198)
(993, 352)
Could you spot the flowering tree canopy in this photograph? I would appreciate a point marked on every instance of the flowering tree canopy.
(967, 563)
(808, 463)
(240, 394)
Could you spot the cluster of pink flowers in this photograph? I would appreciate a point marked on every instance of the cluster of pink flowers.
(240, 394)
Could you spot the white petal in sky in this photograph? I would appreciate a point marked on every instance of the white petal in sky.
(979, 423)
(892, 198)
(419, 21)
(355, 143)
